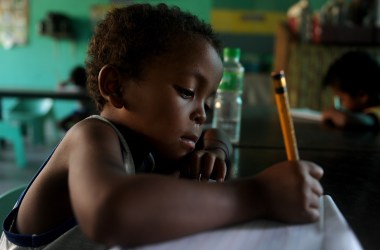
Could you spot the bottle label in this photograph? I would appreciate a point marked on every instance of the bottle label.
(232, 81)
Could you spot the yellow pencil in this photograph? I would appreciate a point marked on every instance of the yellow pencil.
(283, 108)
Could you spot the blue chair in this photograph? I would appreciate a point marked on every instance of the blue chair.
(8, 200)
(32, 115)
(12, 133)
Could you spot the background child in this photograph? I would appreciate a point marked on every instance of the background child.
(112, 180)
(355, 80)
(77, 79)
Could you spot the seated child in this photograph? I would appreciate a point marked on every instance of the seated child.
(86, 108)
(138, 173)
(354, 79)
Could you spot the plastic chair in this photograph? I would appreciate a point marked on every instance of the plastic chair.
(12, 133)
(8, 200)
(32, 115)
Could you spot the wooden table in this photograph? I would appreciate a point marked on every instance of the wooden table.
(350, 159)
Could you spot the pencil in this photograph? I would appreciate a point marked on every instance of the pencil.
(286, 121)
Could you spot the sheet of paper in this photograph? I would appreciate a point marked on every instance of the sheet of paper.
(331, 232)
(307, 114)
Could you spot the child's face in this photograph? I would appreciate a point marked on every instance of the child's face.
(167, 105)
(349, 102)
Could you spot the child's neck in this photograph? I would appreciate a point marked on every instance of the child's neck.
(139, 149)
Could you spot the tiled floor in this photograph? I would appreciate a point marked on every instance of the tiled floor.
(10, 174)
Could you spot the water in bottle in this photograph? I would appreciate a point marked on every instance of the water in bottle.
(228, 101)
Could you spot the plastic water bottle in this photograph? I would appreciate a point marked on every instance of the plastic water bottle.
(228, 101)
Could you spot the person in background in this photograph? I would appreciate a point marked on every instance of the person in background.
(86, 107)
(355, 80)
(139, 172)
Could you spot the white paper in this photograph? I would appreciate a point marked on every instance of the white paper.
(306, 114)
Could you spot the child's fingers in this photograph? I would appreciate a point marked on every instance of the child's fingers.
(316, 187)
(314, 200)
(221, 170)
(315, 170)
(195, 166)
(214, 166)
(313, 214)
(207, 167)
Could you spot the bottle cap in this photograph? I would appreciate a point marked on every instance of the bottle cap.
(232, 80)
(232, 53)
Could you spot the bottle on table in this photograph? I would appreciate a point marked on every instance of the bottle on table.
(228, 101)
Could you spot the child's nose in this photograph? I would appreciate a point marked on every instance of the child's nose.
(199, 115)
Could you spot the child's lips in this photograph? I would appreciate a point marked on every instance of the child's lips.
(190, 140)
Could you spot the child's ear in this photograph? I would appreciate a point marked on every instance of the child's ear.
(110, 85)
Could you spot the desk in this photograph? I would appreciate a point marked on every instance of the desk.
(350, 161)
(261, 128)
(23, 93)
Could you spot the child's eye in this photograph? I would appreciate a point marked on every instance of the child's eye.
(185, 93)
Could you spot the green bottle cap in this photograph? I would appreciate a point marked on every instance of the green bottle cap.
(231, 53)
(232, 80)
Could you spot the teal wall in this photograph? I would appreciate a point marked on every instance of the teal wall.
(44, 61)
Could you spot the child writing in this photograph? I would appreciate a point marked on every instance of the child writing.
(354, 79)
(139, 172)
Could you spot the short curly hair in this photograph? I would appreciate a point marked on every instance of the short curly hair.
(130, 37)
(354, 72)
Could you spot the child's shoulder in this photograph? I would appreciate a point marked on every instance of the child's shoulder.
(93, 129)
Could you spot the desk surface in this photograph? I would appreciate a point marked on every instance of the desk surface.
(350, 161)
(261, 128)
(24, 93)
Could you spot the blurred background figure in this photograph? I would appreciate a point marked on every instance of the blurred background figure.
(76, 82)
(355, 80)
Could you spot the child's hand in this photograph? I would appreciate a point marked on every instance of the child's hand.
(201, 164)
(290, 191)
(347, 119)
(335, 117)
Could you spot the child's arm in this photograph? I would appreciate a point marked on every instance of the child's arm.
(116, 209)
(346, 119)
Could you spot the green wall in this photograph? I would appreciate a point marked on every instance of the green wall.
(44, 61)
